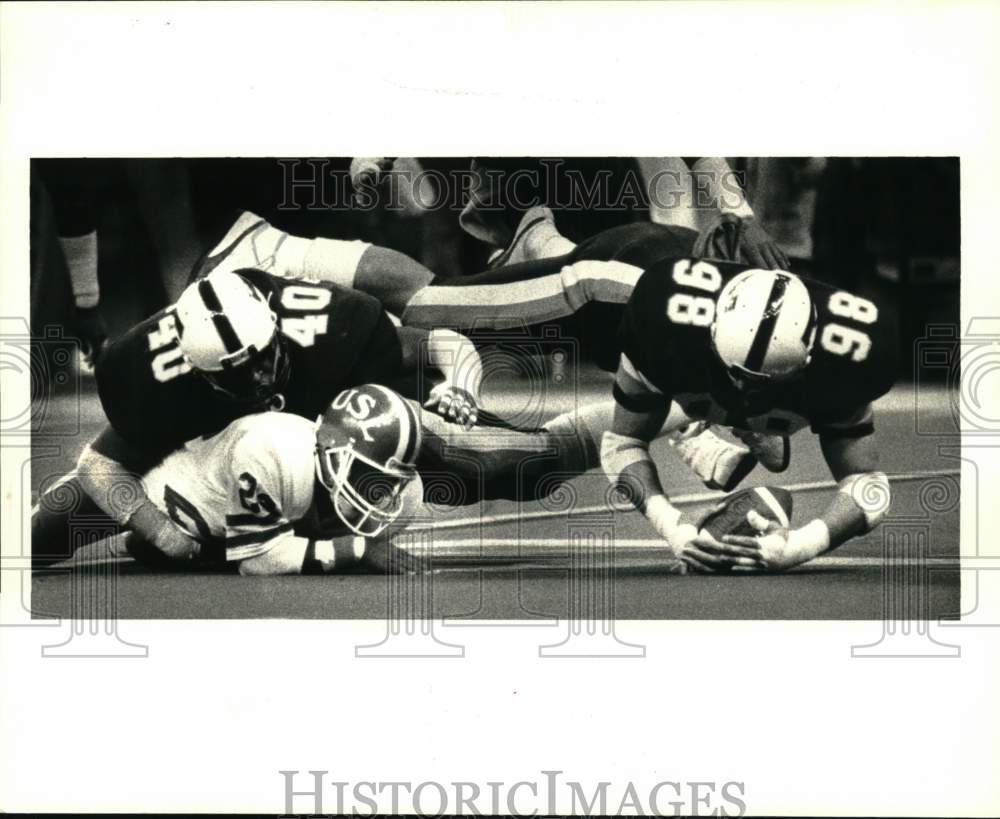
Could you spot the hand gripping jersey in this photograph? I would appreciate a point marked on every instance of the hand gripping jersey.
(335, 338)
(241, 490)
(666, 344)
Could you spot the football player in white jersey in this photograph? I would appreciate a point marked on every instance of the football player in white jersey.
(276, 493)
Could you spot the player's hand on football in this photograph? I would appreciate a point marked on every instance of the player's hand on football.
(454, 404)
(703, 553)
(759, 249)
(698, 550)
(773, 545)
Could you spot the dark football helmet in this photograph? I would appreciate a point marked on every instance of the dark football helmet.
(366, 446)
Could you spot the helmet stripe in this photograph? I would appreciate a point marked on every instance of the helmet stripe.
(409, 426)
(762, 338)
(209, 297)
(223, 326)
(413, 438)
(399, 407)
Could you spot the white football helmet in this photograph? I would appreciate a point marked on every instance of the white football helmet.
(765, 325)
(229, 334)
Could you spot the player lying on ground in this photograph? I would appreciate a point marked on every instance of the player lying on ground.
(237, 343)
(755, 350)
(276, 493)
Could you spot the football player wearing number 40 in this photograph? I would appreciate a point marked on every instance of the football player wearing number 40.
(758, 350)
(236, 343)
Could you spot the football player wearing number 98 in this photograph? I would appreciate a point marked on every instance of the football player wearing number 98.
(755, 350)
(237, 343)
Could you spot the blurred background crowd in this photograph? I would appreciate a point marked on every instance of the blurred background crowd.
(114, 240)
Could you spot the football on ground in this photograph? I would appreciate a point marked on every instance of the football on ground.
(771, 502)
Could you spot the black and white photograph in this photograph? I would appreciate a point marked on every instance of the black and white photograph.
(390, 426)
(501, 371)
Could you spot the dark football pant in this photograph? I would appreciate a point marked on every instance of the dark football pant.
(463, 467)
(536, 303)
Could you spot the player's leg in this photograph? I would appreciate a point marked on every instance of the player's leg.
(462, 467)
(671, 193)
(74, 189)
(387, 274)
(489, 463)
(162, 191)
(63, 513)
(523, 295)
(719, 463)
(641, 244)
(536, 237)
(638, 243)
(600, 271)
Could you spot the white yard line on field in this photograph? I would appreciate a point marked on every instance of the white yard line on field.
(555, 552)
(677, 500)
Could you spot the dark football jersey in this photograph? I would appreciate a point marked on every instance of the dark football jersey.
(665, 332)
(336, 338)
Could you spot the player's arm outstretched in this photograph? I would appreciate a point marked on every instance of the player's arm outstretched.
(291, 554)
(121, 495)
(860, 503)
(641, 412)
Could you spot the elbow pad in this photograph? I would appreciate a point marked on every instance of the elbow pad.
(618, 452)
(871, 494)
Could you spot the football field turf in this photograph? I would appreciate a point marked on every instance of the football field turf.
(503, 562)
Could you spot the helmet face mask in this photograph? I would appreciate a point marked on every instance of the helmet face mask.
(229, 335)
(366, 496)
(752, 382)
(258, 376)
